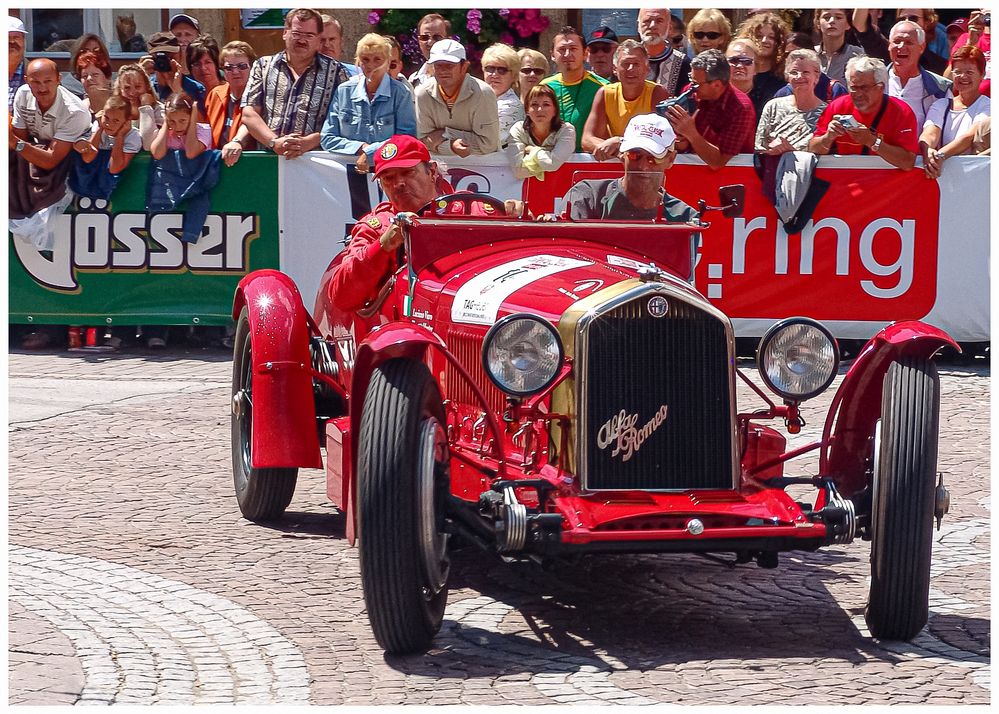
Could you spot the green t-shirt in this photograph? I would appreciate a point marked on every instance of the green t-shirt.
(575, 100)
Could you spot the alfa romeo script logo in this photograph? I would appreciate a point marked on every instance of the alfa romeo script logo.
(620, 430)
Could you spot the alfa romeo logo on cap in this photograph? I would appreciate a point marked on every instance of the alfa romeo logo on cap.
(658, 307)
(389, 150)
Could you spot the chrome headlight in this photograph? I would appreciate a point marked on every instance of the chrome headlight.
(522, 354)
(798, 358)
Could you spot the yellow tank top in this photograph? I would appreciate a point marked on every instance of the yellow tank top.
(620, 110)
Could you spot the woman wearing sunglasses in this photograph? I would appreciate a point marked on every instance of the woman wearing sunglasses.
(709, 29)
(501, 71)
(222, 105)
(533, 68)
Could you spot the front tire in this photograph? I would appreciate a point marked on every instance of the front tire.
(402, 486)
(903, 501)
(262, 494)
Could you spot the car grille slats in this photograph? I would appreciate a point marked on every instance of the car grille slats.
(656, 391)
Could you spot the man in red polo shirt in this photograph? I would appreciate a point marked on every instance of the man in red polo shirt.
(724, 123)
(876, 123)
(410, 181)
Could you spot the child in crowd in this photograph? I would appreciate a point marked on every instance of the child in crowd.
(112, 131)
(181, 130)
(146, 113)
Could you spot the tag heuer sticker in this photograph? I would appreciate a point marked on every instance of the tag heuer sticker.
(388, 151)
(488, 208)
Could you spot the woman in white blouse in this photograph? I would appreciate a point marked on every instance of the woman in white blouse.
(541, 142)
(500, 70)
(950, 123)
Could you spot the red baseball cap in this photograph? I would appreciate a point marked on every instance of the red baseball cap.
(400, 151)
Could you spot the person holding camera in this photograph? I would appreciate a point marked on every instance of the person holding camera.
(867, 121)
(166, 73)
(723, 122)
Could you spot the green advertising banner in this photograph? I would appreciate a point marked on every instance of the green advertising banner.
(115, 264)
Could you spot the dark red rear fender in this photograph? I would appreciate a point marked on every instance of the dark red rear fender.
(851, 425)
(284, 409)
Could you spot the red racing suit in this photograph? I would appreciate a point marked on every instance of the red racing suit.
(364, 266)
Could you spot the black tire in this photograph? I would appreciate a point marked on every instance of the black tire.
(402, 484)
(262, 494)
(903, 502)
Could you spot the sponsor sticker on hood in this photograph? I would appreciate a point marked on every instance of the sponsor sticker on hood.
(478, 301)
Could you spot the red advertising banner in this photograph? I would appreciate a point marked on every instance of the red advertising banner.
(869, 252)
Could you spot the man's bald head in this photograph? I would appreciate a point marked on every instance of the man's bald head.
(41, 67)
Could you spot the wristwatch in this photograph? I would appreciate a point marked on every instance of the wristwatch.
(270, 144)
(876, 145)
(19, 146)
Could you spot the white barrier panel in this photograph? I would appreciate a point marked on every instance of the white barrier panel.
(921, 253)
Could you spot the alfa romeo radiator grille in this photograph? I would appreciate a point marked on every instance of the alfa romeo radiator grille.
(655, 398)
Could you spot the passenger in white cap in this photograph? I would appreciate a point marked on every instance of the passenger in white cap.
(15, 58)
(456, 114)
(648, 150)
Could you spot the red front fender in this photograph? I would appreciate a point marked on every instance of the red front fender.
(856, 407)
(391, 341)
(284, 409)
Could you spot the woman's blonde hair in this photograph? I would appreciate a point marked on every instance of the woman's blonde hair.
(238, 47)
(132, 69)
(525, 52)
(710, 15)
(374, 43)
(506, 56)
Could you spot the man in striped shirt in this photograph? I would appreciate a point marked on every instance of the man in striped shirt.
(288, 95)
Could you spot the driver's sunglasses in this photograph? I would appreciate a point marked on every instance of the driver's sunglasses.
(640, 155)
(427, 38)
(741, 60)
(708, 35)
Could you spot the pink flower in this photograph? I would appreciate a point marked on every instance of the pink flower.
(374, 18)
(506, 38)
(531, 14)
(503, 12)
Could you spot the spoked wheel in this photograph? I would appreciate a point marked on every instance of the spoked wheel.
(402, 487)
(262, 494)
(903, 500)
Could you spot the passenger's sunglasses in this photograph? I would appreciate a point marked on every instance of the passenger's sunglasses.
(910, 18)
(427, 38)
(740, 61)
(242, 66)
(640, 155)
(536, 71)
(708, 35)
(496, 69)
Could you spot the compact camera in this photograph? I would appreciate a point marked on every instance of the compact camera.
(847, 121)
(685, 100)
(161, 61)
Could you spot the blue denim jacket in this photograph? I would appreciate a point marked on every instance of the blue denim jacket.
(354, 119)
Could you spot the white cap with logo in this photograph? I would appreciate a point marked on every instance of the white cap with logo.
(447, 51)
(649, 132)
(14, 24)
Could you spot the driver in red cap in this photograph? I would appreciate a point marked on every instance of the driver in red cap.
(409, 179)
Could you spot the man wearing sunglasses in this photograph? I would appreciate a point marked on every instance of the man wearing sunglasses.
(430, 29)
(724, 123)
(648, 150)
(668, 64)
(600, 47)
(867, 121)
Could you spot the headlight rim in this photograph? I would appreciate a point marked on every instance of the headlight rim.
(770, 335)
(500, 325)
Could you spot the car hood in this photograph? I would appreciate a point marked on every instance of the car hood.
(534, 277)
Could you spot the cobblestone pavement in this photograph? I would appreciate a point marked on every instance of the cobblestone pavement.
(132, 578)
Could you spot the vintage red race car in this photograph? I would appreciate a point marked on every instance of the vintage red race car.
(543, 390)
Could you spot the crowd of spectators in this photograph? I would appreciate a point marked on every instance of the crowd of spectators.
(899, 87)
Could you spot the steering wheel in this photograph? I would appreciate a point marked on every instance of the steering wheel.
(439, 205)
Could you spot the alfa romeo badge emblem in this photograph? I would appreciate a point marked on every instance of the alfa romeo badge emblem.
(658, 307)
(389, 150)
